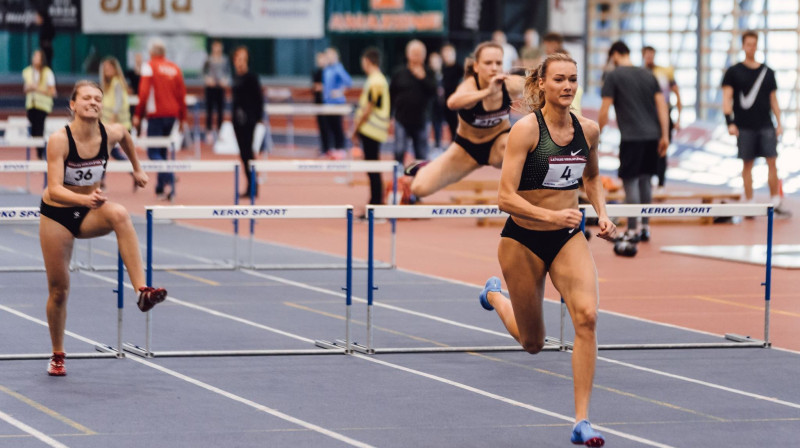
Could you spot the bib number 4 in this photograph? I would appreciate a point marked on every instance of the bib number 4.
(564, 171)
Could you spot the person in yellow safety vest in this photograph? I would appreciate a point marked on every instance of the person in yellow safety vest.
(40, 89)
(116, 108)
(372, 118)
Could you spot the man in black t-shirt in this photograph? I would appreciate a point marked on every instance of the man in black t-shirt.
(748, 95)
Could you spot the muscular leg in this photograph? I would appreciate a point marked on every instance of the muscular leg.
(446, 169)
(574, 275)
(114, 217)
(498, 151)
(747, 178)
(56, 242)
(772, 176)
(525, 274)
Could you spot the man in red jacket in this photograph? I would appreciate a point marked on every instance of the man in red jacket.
(162, 100)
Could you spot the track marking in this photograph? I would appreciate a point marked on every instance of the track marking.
(506, 400)
(193, 277)
(744, 305)
(198, 383)
(32, 431)
(42, 408)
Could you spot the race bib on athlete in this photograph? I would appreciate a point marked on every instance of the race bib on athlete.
(82, 174)
(564, 171)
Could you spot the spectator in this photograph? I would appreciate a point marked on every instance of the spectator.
(452, 74)
(115, 98)
(411, 89)
(531, 53)
(748, 95)
(372, 118)
(438, 104)
(162, 99)
(40, 89)
(509, 52)
(552, 42)
(665, 76)
(47, 31)
(132, 76)
(316, 80)
(248, 108)
(642, 121)
(217, 77)
(335, 80)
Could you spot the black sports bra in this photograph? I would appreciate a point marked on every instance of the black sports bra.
(478, 117)
(85, 172)
(553, 167)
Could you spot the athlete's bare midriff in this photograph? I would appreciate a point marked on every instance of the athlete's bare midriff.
(481, 135)
(548, 199)
(84, 190)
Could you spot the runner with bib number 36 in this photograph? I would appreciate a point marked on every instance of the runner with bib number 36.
(548, 152)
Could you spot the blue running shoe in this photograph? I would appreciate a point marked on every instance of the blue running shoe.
(583, 434)
(493, 284)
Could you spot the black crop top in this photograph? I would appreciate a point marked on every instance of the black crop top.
(85, 172)
(477, 117)
(555, 167)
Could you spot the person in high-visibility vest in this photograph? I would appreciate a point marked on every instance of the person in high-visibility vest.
(40, 89)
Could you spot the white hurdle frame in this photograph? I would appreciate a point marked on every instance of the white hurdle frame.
(11, 215)
(626, 210)
(251, 212)
(323, 166)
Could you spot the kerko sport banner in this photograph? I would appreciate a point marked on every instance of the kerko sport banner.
(220, 18)
(386, 16)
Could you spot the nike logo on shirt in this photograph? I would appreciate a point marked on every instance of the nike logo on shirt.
(575, 153)
(747, 101)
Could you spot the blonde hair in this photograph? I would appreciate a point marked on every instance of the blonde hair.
(469, 62)
(106, 83)
(534, 95)
(78, 85)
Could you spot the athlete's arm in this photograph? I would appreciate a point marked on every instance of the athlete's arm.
(663, 120)
(776, 109)
(57, 150)
(118, 134)
(515, 85)
(727, 108)
(592, 183)
(678, 104)
(602, 118)
(524, 136)
(467, 95)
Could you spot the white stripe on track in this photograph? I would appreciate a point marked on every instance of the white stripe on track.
(510, 401)
(193, 381)
(32, 431)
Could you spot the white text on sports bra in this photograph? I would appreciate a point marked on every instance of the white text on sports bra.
(83, 174)
(564, 171)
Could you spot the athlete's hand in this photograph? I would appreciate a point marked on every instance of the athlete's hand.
(779, 131)
(608, 230)
(663, 144)
(733, 130)
(140, 178)
(96, 199)
(569, 217)
(496, 83)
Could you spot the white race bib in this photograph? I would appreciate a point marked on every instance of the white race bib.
(564, 171)
(84, 173)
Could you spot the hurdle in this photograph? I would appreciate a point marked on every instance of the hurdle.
(292, 110)
(627, 210)
(27, 143)
(251, 212)
(323, 166)
(29, 214)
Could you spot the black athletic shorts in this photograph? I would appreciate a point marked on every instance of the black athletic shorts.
(545, 244)
(638, 158)
(69, 217)
(478, 151)
(754, 143)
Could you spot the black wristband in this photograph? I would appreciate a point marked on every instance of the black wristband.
(729, 119)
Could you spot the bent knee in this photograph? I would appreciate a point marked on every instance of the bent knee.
(58, 295)
(118, 215)
(585, 319)
(419, 189)
(533, 346)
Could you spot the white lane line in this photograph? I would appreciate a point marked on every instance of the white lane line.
(376, 304)
(190, 380)
(32, 431)
(702, 383)
(507, 400)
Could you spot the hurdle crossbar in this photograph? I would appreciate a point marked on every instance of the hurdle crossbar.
(323, 166)
(250, 212)
(624, 210)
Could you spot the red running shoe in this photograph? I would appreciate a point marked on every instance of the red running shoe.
(56, 366)
(150, 297)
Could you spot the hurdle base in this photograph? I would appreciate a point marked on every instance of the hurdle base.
(37, 356)
(740, 342)
(337, 346)
(136, 350)
(747, 340)
(323, 266)
(225, 353)
(102, 348)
